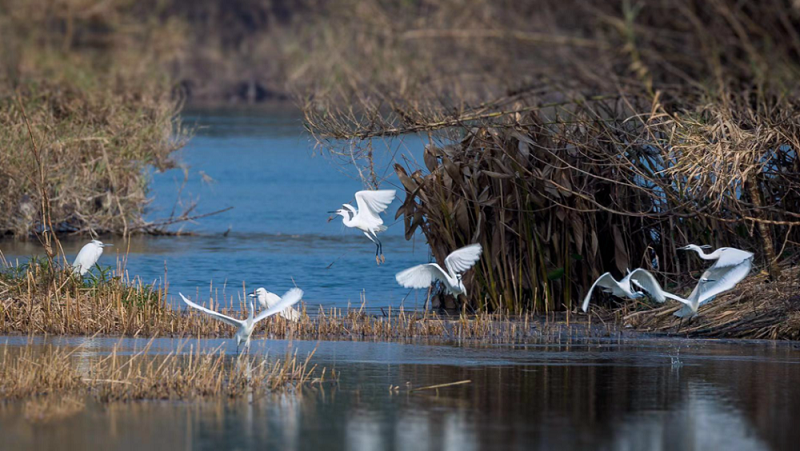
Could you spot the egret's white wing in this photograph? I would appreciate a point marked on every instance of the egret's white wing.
(87, 257)
(291, 297)
(731, 256)
(463, 259)
(421, 276)
(217, 315)
(648, 282)
(721, 280)
(291, 314)
(272, 299)
(607, 282)
(372, 203)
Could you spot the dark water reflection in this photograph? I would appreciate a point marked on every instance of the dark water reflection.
(599, 395)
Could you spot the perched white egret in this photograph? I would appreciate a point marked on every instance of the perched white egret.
(642, 278)
(457, 263)
(267, 299)
(88, 256)
(731, 266)
(367, 218)
(245, 327)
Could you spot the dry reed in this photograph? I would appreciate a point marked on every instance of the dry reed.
(36, 300)
(56, 382)
(756, 309)
(648, 126)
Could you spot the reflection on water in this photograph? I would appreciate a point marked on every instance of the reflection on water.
(589, 395)
(264, 166)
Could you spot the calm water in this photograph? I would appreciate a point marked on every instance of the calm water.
(599, 395)
(263, 165)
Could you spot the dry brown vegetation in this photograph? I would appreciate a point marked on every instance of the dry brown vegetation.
(755, 309)
(575, 138)
(34, 300)
(56, 382)
(83, 120)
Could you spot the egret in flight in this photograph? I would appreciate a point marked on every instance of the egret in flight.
(267, 299)
(731, 266)
(245, 327)
(641, 278)
(88, 256)
(457, 263)
(367, 218)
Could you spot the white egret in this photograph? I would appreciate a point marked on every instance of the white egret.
(367, 218)
(458, 262)
(642, 278)
(245, 327)
(731, 266)
(267, 299)
(88, 256)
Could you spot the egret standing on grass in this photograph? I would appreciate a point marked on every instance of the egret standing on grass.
(367, 218)
(267, 299)
(731, 266)
(641, 278)
(245, 327)
(88, 256)
(457, 263)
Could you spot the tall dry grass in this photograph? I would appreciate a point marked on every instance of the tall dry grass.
(37, 300)
(602, 136)
(85, 116)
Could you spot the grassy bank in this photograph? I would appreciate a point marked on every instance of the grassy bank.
(76, 159)
(36, 300)
(85, 115)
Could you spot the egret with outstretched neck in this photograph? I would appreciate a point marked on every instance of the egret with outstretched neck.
(88, 256)
(367, 217)
(731, 266)
(245, 327)
(457, 263)
(267, 299)
(624, 288)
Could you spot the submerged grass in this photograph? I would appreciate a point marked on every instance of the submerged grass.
(56, 382)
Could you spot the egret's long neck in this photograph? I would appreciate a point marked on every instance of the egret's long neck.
(250, 309)
(348, 220)
(711, 256)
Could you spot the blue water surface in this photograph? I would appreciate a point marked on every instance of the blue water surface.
(264, 165)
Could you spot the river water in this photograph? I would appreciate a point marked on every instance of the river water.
(585, 395)
(263, 164)
(600, 394)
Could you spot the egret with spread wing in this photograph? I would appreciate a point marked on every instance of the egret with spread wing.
(731, 266)
(88, 256)
(457, 263)
(267, 299)
(368, 216)
(641, 278)
(245, 327)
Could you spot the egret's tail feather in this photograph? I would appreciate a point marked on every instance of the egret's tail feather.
(382, 228)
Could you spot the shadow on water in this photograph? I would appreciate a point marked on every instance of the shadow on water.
(599, 394)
